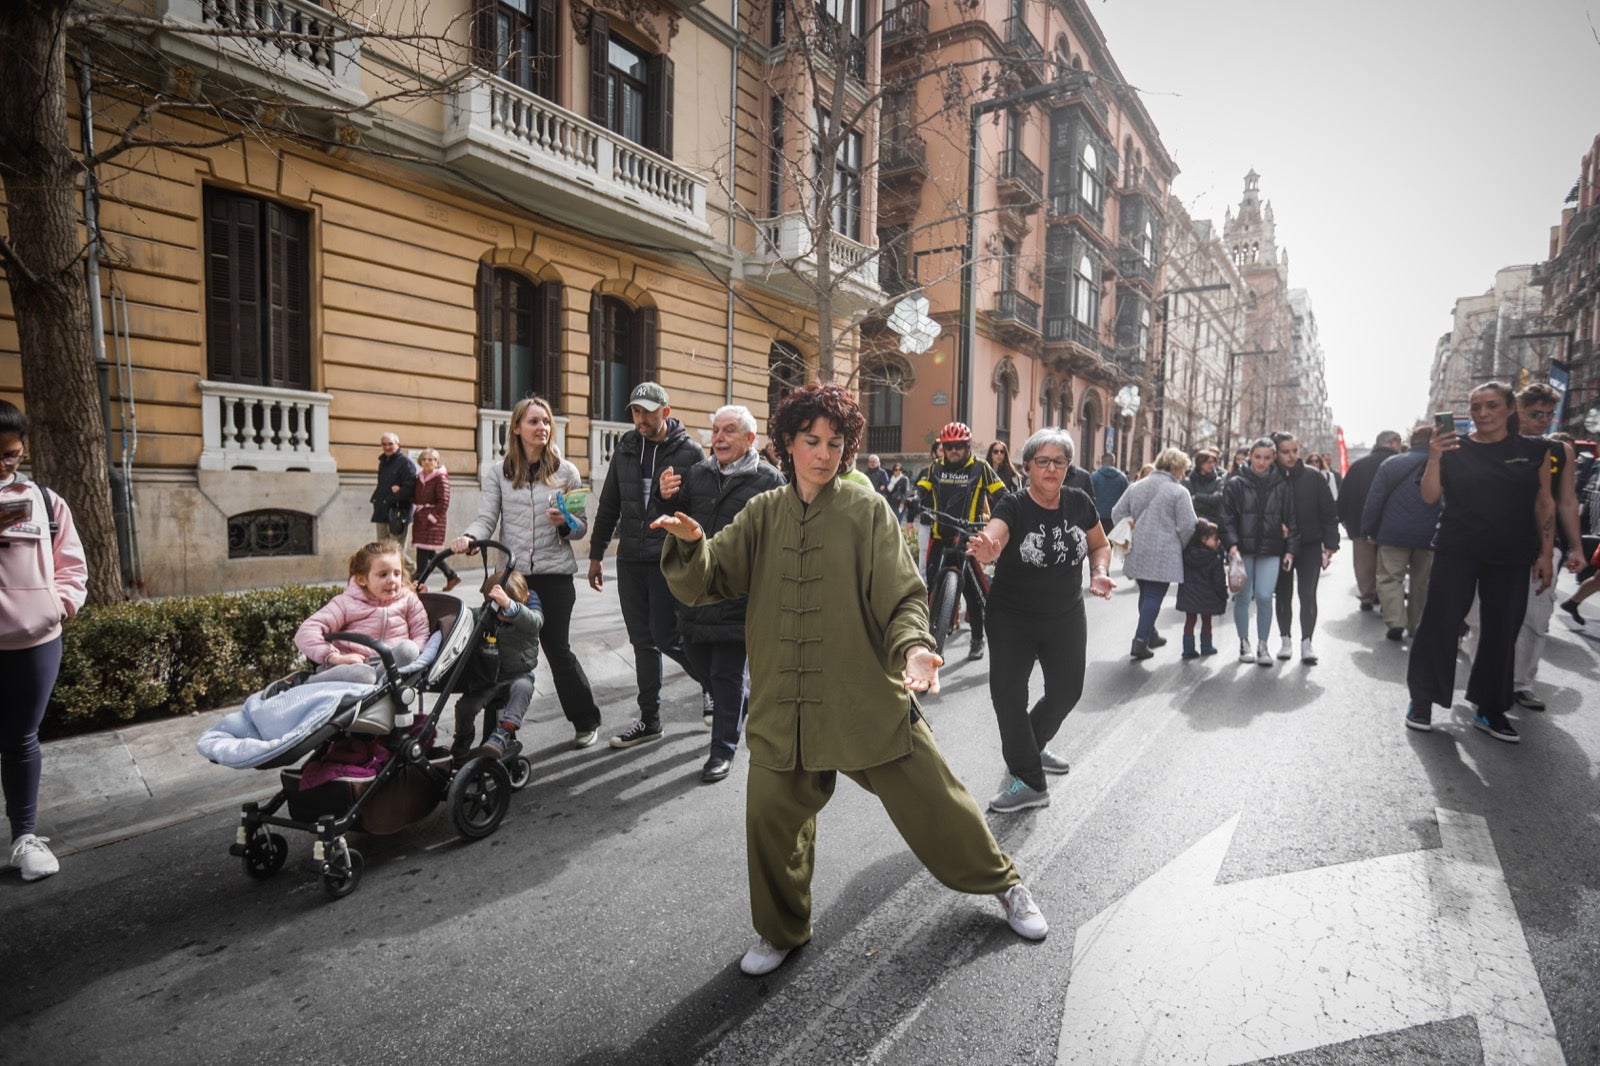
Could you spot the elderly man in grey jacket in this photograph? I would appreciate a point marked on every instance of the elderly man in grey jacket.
(1400, 523)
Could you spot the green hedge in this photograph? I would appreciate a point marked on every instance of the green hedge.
(168, 657)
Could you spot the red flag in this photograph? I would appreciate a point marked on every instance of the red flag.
(1344, 455)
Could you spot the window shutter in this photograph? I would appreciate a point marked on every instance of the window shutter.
(544, 76)
(222, 326)
(486, 369)
(658, 114)
(646, 324)
(550, 336)
(483, 51)
(599, 67)
(597, 357)
(288, 334)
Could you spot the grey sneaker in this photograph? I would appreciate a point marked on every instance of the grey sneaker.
(1308, 655)
(1286, 649)
(1018, 796)
(1263, 656)
(637, 733)
(1245, 654)
(585, 738)
(1053, 763)
(1022, 914)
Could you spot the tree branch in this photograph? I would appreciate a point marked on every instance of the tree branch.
(14, 262)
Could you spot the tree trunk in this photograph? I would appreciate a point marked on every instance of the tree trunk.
(49, 293)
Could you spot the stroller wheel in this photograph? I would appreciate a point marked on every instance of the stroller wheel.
(343, 873)
(264, 854)
(521, 771)
(480, 795)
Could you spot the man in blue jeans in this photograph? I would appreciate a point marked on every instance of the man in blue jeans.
(657, 443)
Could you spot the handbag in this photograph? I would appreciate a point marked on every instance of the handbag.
(1235, 575)
(397, 520)
(1121, 535)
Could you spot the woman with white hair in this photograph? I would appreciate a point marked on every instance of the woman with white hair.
(1162, 512)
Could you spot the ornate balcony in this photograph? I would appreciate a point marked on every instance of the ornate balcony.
(1021, 182)
(786, 260)
(248, 427)
(1084, 349)
(1015, 316)
(1132, 265)
(523, 143)
(903, 157)
(903, 25)
(306, 54)
(1065, 203)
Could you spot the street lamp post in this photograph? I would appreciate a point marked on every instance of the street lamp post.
(1161, 362)
(967, 346)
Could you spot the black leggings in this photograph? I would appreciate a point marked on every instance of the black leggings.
(1057, 643)
(557, 597)
(1502, 593)
(1306, 572)
(30, 674)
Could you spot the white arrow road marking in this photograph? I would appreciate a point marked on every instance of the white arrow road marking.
(1182, 969)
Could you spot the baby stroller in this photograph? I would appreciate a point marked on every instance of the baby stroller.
(396, 774)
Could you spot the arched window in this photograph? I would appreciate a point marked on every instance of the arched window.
(1063, 57)
(1144, 333)
(1047, 405)
(519, 338)
(883, 394)
(1089, 176)
(1147, 242)
(622, 353)
(1085, 294)
(1005, 388)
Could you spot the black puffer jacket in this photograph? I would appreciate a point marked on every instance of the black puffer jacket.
(1205, 582)
(1255, 508)
(1314, 510)
(623, 508)
(713, 498)
(1207, 492)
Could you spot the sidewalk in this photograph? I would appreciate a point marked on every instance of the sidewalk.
(104, 787)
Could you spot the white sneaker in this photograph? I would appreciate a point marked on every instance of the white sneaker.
(1022, 914)
(1263, 656)
(1307, 656)
(1286, 649)
(763, 958)
(31, 855)
(586, 738)
(1245, 654)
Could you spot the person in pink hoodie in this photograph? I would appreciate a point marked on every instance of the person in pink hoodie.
(378, 603)
(43, 582)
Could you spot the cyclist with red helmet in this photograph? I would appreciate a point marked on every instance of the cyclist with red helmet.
(962, 485)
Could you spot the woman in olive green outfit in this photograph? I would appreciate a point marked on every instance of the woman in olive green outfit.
(837, 631)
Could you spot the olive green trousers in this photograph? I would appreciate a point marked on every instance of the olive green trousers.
(928, 804)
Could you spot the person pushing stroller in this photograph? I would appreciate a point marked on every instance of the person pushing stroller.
(501, 673)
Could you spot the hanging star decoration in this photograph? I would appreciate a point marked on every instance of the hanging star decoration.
(911, 321)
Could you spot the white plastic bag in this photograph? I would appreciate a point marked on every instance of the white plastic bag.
(1235, 575)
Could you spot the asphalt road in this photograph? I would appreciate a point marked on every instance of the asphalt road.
(602, 924)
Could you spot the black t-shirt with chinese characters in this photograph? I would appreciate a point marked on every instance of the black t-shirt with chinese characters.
(1489, 491)
(1040, 570)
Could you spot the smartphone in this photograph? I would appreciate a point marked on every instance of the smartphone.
(15, 511)
(1444, 421)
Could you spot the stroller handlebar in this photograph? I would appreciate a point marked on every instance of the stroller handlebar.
(384, 655)
(473, 548)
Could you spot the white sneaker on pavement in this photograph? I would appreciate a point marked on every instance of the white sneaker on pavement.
(1263, 656)
(1022, 914)
(33, 857)
(1307, 656)
(763, 958)
(1286, 649)
(1245, 654)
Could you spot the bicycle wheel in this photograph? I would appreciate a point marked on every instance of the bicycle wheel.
(946, 601)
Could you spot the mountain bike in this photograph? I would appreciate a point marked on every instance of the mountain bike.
(944, 591)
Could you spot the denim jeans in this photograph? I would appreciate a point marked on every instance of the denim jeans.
(1151, 593)
(651, 616)
(1260, 581)
(722, 663)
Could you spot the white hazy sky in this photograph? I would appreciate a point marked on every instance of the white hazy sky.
(1409, 148)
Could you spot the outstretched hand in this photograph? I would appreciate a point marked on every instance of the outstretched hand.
(922, 670)
(984, 548)
(679, 525)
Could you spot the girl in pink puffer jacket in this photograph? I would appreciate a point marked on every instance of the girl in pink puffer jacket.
(377, 603)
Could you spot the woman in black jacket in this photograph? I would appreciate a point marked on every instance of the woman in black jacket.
(1258, 527)
(712, 492)
(1318, 518)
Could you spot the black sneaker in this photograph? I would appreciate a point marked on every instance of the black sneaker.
(1497, 727)
(976, 649)
(1367, 605)
(1395, 633)
(1526, 698)
(1571, 607)
(637, 733)
(1419, 717)
(1156, 640)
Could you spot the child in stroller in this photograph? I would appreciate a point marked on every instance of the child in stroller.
(500, 671)
(379, 603)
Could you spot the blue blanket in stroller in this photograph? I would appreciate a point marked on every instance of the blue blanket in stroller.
(267, 726)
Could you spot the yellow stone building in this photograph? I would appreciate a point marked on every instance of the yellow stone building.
(407, 231)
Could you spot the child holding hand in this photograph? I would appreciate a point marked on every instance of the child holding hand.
(519, 617)
(379, 603)
(1204, 592)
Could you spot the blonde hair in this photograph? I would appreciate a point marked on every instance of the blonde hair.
(1173, 460)
(516, 465)
(429, 453)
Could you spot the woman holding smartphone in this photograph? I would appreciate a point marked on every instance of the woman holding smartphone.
(521, 497)
(43, 582)
(1496, 532)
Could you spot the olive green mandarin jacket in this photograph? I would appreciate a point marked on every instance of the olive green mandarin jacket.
(835, 604)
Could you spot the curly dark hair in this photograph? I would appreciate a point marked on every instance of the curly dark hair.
(802, 407)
